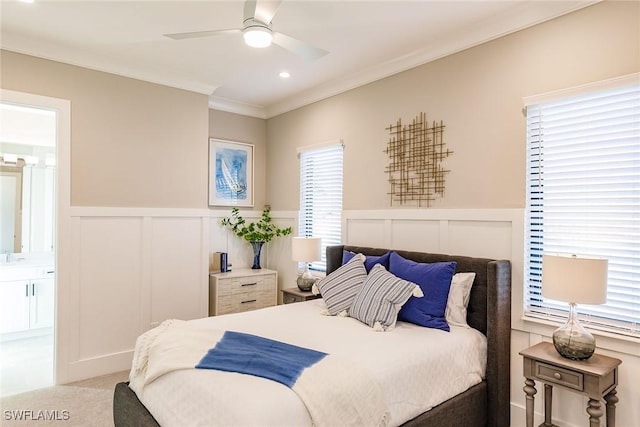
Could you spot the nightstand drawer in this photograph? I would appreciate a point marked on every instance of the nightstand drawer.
(289, 298)
(245, 302)
(240, 285)
(296, 295)
(560, 376)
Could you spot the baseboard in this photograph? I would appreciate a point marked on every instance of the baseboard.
(97, 366)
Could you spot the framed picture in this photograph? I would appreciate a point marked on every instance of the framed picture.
(230, 173)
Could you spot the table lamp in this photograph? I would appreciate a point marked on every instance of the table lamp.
(305, 249)
(574, 279)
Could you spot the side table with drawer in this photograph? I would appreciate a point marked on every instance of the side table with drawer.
(242, 290)
(291, 295)
(596, 377)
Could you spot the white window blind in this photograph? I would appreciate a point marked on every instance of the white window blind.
(583, 197)
(321, 196)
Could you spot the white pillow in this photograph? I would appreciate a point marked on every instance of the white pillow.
(459, 294)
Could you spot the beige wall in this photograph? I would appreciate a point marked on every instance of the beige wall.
(140, 144)
(235, 127)
(133, 143)
(477, 93)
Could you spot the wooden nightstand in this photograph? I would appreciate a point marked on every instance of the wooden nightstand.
(242, 290)
(596, 377)
(296, 295)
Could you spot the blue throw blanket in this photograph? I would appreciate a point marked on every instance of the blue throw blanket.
(336, 391)
(261, 357)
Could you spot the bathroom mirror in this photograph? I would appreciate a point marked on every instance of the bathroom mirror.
(27, 217)
(27, 179)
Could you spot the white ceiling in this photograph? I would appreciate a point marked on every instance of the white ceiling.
(366, 40)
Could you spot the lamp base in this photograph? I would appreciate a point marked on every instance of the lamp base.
(572, 340)
(305, 284)
(305, 281)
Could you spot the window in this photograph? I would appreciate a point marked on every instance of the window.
(583, 196)
(321, 195)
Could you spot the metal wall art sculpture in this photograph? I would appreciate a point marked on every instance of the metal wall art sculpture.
(415, 153)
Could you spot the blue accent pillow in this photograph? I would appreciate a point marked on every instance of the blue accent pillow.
(435, 280)
(370, 260)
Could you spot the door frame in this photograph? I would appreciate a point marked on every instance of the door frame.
(62, 107)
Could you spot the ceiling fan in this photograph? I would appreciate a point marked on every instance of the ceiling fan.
(257, 32)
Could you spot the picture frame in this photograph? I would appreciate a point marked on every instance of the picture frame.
(230, 173)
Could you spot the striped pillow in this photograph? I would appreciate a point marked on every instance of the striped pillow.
(381, 297)
(340, 287)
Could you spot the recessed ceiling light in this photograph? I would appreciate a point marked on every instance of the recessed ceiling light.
(26, 1)
(284, 74)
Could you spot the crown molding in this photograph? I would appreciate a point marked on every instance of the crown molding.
(90, 60)
(237, 107)
(522, 16)
(516, 19)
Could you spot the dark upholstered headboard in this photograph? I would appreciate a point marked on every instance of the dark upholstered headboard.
(489, 311)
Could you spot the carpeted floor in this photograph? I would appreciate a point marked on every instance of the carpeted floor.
(86, 403)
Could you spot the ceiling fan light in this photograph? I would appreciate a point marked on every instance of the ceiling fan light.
(258, 37)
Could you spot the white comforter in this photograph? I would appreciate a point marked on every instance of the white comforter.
(417, 368)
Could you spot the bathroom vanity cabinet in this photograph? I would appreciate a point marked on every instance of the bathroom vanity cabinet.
(27, 298)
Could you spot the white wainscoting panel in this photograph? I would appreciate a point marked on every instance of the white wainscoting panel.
(487, 239)
(129, 269)
(109, 292)
(373, 230)
(179, 281)
(415, 235)
(487, 233)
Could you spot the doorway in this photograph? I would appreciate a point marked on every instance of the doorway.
(28, 154)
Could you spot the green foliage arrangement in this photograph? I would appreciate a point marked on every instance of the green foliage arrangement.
(261, 231)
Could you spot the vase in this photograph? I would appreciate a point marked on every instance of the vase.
(257, 247)
(572, 340)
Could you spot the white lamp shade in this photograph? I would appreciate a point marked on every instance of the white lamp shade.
(574, 279)
(305, 249)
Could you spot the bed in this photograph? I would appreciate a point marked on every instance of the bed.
(485, 403)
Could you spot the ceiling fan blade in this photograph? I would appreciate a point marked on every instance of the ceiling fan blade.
(197, 34)
(265, 10)
(250, 9)
(300, 48)
(261, 10)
